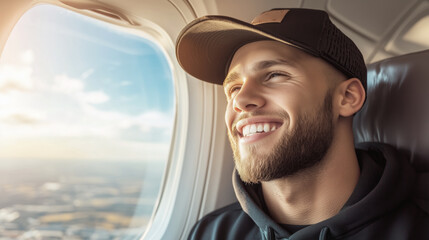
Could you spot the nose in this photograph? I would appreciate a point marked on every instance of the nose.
(249, 98)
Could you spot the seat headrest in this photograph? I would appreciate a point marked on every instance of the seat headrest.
(396, 111)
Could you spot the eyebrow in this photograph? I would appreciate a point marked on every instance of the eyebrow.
(258, 66)
(230, 78)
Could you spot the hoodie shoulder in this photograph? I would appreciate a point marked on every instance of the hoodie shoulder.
(420, 185)
(229, 222)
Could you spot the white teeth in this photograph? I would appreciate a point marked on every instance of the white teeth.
(266, 127)
(257, 128)
(252, 129)
(246, 130)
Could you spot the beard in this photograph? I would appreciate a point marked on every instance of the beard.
(302, 148)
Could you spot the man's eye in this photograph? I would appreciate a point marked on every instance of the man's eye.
(233, 90)
(273, 75)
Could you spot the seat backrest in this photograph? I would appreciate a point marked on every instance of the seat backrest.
(396, 112)
(397, 106)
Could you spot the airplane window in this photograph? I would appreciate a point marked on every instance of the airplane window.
(86, 120)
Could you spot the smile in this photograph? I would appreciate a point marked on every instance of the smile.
(251, 126)
(251, 129)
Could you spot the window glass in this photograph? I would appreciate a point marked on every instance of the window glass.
(86, 119)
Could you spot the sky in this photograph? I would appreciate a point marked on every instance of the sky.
(72, 87)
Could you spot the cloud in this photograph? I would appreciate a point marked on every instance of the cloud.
(62, 115)
(12, 86)
(149, 134)
(21, 119)
(91, 148)
(27, 57)
(87, 73)
(95, 97)
(155, 119)
(151, 126)
(62, 107)
(76, 88)
(67, 85)
(15, 78)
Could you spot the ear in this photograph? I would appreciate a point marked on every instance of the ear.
(352, 97)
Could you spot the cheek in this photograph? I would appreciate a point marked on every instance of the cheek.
(293, 104)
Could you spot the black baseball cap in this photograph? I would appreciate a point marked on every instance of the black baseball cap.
(205, 46)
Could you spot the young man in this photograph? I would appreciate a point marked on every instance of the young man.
(293, 82)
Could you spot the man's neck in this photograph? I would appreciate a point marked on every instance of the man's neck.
(315, 194)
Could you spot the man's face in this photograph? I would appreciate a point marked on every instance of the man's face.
(279, 112)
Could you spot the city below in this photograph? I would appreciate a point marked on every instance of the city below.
(76, 199)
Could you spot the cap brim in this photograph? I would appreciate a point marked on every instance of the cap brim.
(207, 44)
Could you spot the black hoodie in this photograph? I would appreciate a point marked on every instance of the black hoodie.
(387, 203)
